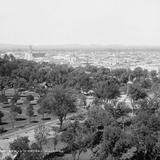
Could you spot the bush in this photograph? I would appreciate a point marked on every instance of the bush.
(79, 117)
(66, 125)
(2, 130)
(1, 115)
(15, 98)
(7, 158)
(30, 98)
(3, 98)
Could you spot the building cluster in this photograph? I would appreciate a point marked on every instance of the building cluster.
(132, 58)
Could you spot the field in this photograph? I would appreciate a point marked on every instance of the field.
(21, 120)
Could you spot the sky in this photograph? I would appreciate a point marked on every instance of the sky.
(103, 22)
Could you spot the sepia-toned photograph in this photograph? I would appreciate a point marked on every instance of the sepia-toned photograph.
(79, 79)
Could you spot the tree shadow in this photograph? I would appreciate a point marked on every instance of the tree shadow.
(34, 121)
(20, 119)
(21, 127)
(47, 118)
(6, 106)
(3, 123)
(3, 131)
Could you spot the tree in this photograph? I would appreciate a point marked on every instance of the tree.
(30, 112)
(44, 107)
(3, 98)
(129, 154)
(107, 90)
(36, 152)
(2, 130)
(30, 98)
(42, 91)
(146, 83)
(12, 58)
(153, 75)
(4, 82)
(96, 116)
(119, 73)
(76, 138)
(138, 72)
(6, 57)
(7, 158)
(146, 131)
(14, 84)
(82, 100)
(14, 110)
(136, 93)
(115, 142)
(60, 102)
(139, 140)
(20, 146)
(156, 89)
(84, 82)
(41, 111)
(1, 116)
(122, 111)
(55, 140)
(41, 133)
(15, 98)
(25, 151)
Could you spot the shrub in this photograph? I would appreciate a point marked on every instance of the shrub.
(30, 98)
(1, 130)
(79, 117)
(7, 158)
(3, 98)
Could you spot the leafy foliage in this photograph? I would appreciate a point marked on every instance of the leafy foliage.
(30, 98)
(24, 150)
(3, 98)
(41, 133)
(77, 139)
(60, 102)
(1, 115)
(137, 93)
(107, 90)
(14, 111)
(30, 111)
(21, 146)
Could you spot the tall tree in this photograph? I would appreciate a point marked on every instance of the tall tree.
(138, 72)
(76, 138)
(96, 115)
(14, 110)
(121, 112)
(60, 102)
(106, 90)
(41, 133)
(30, 112)
(44, 107)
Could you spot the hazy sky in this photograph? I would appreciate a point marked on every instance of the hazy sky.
(123, 22)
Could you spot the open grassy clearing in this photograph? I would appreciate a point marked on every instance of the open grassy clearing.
(21, 120)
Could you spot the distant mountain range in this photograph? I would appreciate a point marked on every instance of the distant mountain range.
(75, 46)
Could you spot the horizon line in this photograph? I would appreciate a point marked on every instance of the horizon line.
(80, 45)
